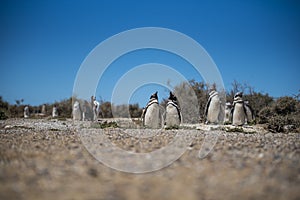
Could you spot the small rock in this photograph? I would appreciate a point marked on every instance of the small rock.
(93, 172)
(288, 128)
(261, 155)
(8, 127)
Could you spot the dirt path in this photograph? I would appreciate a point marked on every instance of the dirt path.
(44, 159)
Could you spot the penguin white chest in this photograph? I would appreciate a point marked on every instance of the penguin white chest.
(26, 112)
(54, 112)
(152, 116)
(238, 117)
(172, 116)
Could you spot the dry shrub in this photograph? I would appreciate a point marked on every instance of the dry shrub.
(282, 116)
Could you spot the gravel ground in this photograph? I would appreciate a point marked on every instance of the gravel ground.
(45, 159)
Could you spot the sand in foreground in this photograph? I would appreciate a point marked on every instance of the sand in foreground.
(44, 159)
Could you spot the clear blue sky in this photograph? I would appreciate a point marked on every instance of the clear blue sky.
(43, 43)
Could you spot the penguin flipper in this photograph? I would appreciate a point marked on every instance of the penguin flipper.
(179, 113)
(144, 114)
(231, 113)
(206, 107)
(245, 110)
(252, 112)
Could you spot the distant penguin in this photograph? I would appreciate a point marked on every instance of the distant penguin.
(84, 112)
(76, 111)
(238, 110)
(228, 107)
(26, 112)
(213, 108)
(96, 108)
(54, 111)
(44, 109)
(151, 115)
(249, 112)
(173, 114)
(87, 111)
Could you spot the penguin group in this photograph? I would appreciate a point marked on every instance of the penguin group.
(152, 116)
(43, 113)
(241, 112)
(85, 110)
(238, 113)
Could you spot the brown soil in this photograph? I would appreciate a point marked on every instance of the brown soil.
(45, 159)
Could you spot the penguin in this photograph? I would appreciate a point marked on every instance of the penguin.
(151, 116)
(43, 110)
(238, 110)
(213, 108)
(228, 107)
(26, 112)
(76, 111)
(96, 108)
(173, 113)
(87, 111)
(54, 111)
(249, 112)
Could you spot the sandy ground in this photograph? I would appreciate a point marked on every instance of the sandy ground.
(45, 159)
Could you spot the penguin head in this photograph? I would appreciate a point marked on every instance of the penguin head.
(212, 88)
(228, 105)
(213, 93)
(172, 97)
(76, 104)
(238, 94)
(154, 96)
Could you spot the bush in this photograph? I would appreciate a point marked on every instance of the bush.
(189, 102)
(285, 105)
(264, 115)
(281, 116)
(201, 92)
(3, 109)
(3, 115)
(258, 101)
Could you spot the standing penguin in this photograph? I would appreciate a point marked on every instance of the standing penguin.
(249, 112)
(26, 112)
(54, 111)
(76, 111)
(228, 108)
(173, 114)
(213, 108)
(238, 110)
(151, 115)
(96, 108)
(44, 109)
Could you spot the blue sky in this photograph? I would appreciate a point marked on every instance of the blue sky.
(43, 43)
